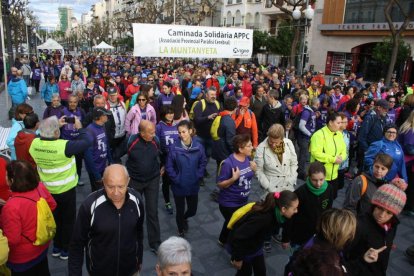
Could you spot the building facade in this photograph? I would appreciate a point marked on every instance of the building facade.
(345, 33)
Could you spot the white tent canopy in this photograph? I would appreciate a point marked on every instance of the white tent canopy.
(103, 45)
(50, 44)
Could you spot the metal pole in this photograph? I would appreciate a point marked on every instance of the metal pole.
(3, 48)
(27, 41)
(174, 10)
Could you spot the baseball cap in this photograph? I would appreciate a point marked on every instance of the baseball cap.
(112, 90)
(382, 103)
(242, 70)
(98, 112)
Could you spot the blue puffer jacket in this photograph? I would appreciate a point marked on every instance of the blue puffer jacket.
(48, 90)
(393, 149)
(17, 90)
(16, 127)
(371, 130)
(185, 167)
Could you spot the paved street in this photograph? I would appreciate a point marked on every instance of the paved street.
(208, 257)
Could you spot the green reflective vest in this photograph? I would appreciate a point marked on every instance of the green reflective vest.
(56, 171)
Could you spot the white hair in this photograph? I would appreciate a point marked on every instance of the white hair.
(174, 251)
(49, 128)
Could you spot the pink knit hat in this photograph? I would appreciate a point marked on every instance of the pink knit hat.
(390, 197)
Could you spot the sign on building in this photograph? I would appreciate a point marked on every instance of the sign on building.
(154, 40)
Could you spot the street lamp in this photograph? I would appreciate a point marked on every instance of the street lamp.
(35, 37)
(308, 16)
(27, 22)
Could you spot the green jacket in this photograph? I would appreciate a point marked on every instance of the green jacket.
(325, 146)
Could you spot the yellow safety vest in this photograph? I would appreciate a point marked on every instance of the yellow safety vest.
(56, 171)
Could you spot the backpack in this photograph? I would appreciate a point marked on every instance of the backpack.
(215, 127)
(203, 107)
(239, 214)
(46, 225)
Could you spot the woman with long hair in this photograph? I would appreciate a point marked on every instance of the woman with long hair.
(245, 242)
(140, 111)
(19, 220)
(166, 132)
(406, 140)
(180, 113)
(185, 166)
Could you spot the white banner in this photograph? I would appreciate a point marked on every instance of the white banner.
(156, 40)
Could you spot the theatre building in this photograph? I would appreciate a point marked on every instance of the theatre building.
(345, 32)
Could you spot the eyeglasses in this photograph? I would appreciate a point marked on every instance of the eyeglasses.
(391, 132)
(142, 100)
(365, 95)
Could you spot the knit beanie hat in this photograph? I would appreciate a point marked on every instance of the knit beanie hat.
(390, 197)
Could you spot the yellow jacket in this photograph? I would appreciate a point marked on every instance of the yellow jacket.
(325, 146)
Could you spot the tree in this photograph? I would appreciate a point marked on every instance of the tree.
(194, 12)
(382, 52)
(287, 6)
(282, 43)
(260, 39)
(396, 33)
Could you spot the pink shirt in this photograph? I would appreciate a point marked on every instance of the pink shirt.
(64, 95)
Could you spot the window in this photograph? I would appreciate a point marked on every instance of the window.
(372, 11)
(229, 2)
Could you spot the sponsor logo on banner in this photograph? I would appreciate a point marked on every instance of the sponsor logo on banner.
(154, 40)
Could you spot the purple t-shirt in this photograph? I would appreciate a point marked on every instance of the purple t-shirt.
(392, 114)
(236, 194)
(310, 118)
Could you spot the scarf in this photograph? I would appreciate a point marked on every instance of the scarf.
(280, 219)
(315, 191)
(279, 150)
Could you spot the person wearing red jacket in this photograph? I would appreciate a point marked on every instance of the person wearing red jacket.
(247, 87)
(132, 88)
(19, 220)
(25, 138)
(4, 188)
(245, 121)
(213, 81)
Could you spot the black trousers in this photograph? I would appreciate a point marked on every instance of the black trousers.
(118, 149)
(256, 265)
(36, 84)
(334, 183)
(166, 183)
(65, 215)
(41, 268)
(79, 159)
(409, 206)
(181, 213)
(227, 212)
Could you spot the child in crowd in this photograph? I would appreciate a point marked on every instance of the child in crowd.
(377, 229)
(315, 196)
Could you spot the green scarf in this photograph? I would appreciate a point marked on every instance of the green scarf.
(315, 191)
(280, 219)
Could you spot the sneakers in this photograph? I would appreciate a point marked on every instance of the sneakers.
(169, 208)
(59, 253)
(220, 243)
(181, 234)
(202, 183)
(64, 255)
(277, 238)
(56, 252)
(81, 183)
(267, 247)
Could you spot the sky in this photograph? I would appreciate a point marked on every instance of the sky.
(47, 10)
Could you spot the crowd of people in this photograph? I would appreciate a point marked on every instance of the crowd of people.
(139, 125)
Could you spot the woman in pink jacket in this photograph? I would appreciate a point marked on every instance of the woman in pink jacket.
(19, 220)
(64, 89)
(140, 111)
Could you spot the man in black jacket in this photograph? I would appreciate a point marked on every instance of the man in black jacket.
(143, 165)
(109, 229)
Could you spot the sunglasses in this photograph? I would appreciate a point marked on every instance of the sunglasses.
(142, 100)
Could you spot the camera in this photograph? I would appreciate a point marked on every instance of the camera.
(70, 120)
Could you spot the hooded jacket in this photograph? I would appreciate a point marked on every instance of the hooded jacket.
(17, 90)
(185, 167)
(22, 145)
